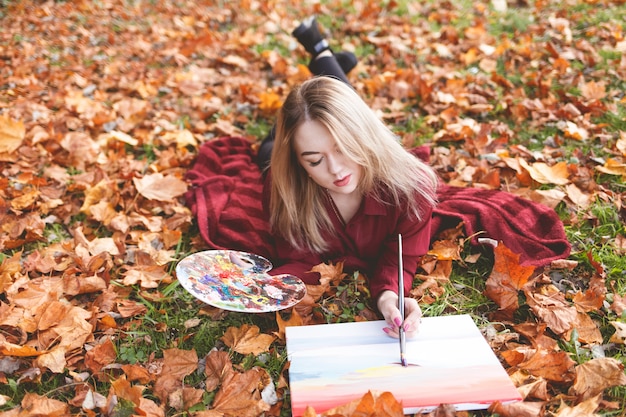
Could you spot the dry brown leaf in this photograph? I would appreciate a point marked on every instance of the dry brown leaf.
(574, 131)
(100, 355)
(621, 143)
(593, 90)
(149, 408)
(594, 376)
(587, 329)
(578, 197)
(586, 408)
(36, 405)
(620, 332)
(177, 364)
(148, 276)
(535, 332)
(619, 304)
(446, 410)
(139, 373)
(553, 366)
(240, 395)
(247, 339)
(593, 298)
(518, 409)
(123, 389)
(329, 273)
(218, 368)
(11, 349)
(10, 268)
(130, 308)
(620, 244)
(552, 308)
(537, 389)
(446, 250)
(160, 187)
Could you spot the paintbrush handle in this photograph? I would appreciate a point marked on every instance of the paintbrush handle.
(401, 333)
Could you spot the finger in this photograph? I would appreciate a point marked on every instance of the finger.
(412, 327)
(391, 332)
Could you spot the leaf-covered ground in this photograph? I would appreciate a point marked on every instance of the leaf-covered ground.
(103, 105)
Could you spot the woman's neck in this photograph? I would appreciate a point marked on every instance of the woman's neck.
(347, 204)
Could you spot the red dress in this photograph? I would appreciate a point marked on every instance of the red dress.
(368, 243)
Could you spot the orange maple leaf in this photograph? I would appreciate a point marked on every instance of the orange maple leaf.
(380, 404)
(294, 320)
(329, 273)
(507, 278)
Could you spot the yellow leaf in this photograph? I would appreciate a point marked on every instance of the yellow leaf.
(247, 339)
(11, 134)
(10, 349)
(546, 174)
(270, 102)
(613, 167)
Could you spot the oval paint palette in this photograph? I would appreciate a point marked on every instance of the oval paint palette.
(238, 281)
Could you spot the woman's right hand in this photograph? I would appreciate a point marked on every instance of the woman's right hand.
(388, 306)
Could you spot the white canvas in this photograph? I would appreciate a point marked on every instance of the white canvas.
(449, 362)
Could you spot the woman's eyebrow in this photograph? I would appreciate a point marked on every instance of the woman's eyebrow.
(305, 153)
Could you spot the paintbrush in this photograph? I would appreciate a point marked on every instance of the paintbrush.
(401, 334)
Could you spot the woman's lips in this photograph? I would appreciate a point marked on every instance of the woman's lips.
(342, 182)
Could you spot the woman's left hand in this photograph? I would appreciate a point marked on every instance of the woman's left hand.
(388, 307)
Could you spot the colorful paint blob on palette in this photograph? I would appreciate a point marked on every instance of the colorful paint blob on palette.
(238, 281)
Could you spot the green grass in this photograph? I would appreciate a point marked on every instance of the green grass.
(169, 321)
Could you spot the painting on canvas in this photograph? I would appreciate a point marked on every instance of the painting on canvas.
(450, 362)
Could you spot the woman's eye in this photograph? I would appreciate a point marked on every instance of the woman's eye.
(316, 163)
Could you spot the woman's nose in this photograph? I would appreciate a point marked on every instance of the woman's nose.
(334, 165)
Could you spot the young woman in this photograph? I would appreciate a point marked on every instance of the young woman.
(341, 187)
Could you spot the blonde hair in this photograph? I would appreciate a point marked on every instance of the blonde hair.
(390, 173)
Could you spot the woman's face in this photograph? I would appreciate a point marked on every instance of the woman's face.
(318, 154)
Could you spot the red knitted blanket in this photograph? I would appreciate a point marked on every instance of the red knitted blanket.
(226, 200)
